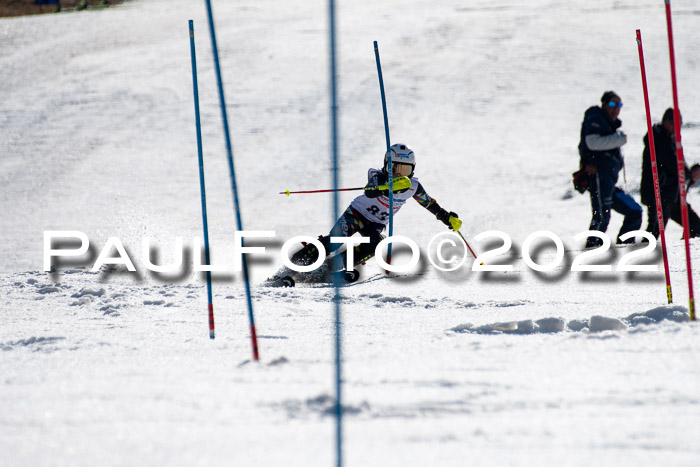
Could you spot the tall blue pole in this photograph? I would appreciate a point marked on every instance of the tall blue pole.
(336, 278)
(388, 150)
(210, 302)
(232, 173)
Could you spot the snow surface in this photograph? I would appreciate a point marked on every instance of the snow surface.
(462, 368)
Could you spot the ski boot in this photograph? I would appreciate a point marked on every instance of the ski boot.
(287, 281)
(362, 253)
(307, 255)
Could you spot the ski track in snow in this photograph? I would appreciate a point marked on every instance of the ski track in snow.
(110, 299)
(432, 371)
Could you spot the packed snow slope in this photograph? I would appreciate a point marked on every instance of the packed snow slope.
(441, 368)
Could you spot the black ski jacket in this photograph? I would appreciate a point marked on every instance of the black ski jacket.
(665, 149)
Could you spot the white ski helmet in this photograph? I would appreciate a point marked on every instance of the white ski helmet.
(400, 154)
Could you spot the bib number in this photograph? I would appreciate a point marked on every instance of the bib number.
(375, 211)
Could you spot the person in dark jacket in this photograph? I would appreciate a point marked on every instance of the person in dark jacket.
(667, 167)
(601, 157)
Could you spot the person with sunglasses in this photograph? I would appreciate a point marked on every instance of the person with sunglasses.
(665, 148)
(368, 214)
(601, 158)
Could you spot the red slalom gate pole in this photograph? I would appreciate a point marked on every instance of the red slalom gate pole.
(680, 162)
(654, 168)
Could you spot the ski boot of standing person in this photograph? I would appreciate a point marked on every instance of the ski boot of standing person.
(368, 214)
(601, 158)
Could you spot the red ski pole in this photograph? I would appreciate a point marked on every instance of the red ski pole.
(468, 247)
(398, 183)
(681, 163)
(287, 192)
(654, 168)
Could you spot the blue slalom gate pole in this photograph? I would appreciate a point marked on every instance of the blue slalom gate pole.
(388, 150)
(210, 301)
(232, 173)
(336, 279)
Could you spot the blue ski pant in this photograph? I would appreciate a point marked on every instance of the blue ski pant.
(605, 196)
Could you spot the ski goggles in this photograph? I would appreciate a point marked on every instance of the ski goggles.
(401, 170)
(612, 104)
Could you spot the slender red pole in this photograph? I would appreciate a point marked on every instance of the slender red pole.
(465, 242)
(680, 161)
(319, 191)
(654, 168)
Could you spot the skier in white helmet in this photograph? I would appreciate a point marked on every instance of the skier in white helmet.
(368, 214)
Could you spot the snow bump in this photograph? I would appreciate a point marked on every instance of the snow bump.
(595, 324)
(37, 344)
(676, 313)
(603, 323)
(89, 291)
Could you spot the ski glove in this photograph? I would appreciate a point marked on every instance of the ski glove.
(450, 219)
